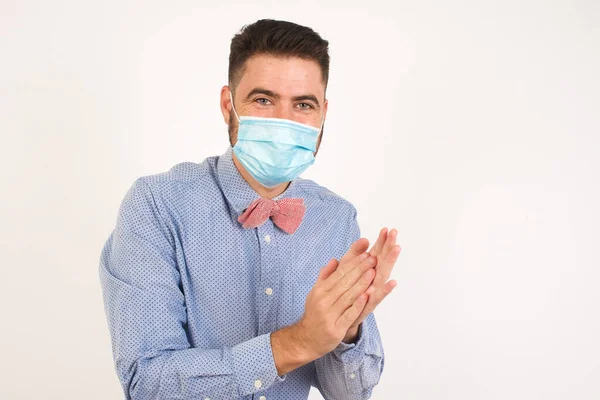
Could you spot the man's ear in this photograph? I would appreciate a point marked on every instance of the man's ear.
(225, 103)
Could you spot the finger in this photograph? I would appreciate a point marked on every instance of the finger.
(328, 269)
(339, 282)
(353, 257)
(350, 315)
(347, 298)
(386, 265)
(368, 309)
(374, 301)
(376, 249)
(392, 256)
(378, 246)
(392, 284)
(390, 241)
(356, 249)
(377, 295)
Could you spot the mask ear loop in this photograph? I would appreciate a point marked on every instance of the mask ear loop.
(233, 107)
(322, 123)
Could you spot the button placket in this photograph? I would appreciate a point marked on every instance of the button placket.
(269, 266)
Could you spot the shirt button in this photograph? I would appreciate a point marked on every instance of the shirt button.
(262, 398)
(268, 238)
(352, 376)
(269, 291)
(257, 383)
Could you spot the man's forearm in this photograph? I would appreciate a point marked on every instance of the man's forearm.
(290, 350)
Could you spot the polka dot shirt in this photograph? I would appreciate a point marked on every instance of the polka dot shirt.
(191, 297)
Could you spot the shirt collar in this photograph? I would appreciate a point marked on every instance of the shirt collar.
(237, 191)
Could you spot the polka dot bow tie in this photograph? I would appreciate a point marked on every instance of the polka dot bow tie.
(286, 213)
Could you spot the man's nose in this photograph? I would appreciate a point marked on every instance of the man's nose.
(283, 110)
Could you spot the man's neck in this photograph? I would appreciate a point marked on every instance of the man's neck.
(265, 192)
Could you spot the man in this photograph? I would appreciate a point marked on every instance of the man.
(221, 280)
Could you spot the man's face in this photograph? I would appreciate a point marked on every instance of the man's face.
(277, 87)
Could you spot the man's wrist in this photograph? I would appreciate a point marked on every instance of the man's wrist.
(290, 351)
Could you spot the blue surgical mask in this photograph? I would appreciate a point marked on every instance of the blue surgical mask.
(274, 150)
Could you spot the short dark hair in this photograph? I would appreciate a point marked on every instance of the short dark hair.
(278, 38)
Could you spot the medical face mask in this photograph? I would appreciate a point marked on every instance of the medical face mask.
(274, 150)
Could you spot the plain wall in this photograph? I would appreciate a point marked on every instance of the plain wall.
(470, 126)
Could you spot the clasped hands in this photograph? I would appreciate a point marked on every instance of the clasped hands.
(347, 291)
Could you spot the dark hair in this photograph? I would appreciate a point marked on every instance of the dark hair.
(278, 38)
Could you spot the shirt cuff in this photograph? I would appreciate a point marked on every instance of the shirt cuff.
(351, 353)
(254, 366)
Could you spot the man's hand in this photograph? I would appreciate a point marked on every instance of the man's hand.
(336, 299)
(387, 251)
(333, 304)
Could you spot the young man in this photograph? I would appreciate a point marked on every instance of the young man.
(221, 280)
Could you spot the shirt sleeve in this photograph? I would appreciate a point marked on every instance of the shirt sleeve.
(146, 314)
(351, 370)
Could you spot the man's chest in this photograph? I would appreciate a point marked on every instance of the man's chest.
(249, 281)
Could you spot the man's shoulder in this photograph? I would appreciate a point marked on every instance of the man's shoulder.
(182, 181)
(325, 196)
(182, 177)
(183, 172)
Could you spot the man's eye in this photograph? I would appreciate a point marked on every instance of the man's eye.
(263, 101)
(305, 106)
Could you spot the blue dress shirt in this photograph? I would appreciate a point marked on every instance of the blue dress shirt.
(191, 297)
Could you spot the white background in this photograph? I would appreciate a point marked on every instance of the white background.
(470, 126)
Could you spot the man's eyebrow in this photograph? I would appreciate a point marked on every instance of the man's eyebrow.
(310, 97)
(259, 90)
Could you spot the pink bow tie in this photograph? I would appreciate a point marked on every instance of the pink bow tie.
(286, 213)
